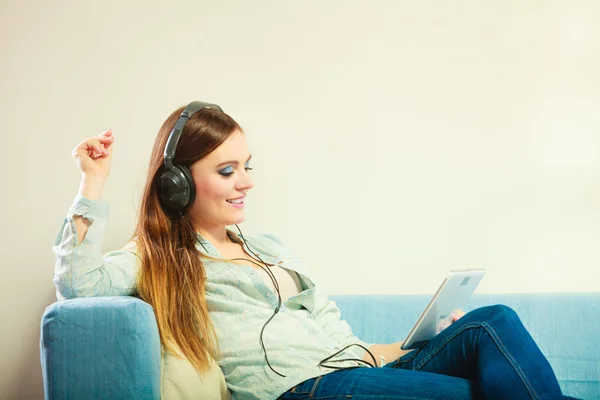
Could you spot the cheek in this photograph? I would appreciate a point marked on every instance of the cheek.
(217, 189)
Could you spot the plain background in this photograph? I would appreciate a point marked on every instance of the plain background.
(391, 141)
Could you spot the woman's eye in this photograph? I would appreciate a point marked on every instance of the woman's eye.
(228, 173)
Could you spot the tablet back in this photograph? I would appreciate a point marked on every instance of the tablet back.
(454, 292)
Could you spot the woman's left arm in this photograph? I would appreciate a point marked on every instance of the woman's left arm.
(391, 352)
(328, 316)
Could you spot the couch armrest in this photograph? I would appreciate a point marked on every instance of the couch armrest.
(100, 348)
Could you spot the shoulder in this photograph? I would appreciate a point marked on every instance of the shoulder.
(265, 240)
(268, 237)
(130, 248)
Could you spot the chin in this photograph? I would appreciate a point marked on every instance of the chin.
(235, 221)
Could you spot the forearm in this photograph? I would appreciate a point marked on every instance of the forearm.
(389, 351)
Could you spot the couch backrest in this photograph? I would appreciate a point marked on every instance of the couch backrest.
(566, 327)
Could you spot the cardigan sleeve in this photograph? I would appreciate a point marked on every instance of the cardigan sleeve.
(81, 269)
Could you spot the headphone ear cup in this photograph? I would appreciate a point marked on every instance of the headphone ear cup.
(176, 189)
(190, 179)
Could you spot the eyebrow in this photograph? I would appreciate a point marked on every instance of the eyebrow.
(234, 162)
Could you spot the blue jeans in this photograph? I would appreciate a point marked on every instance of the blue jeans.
(486, 354)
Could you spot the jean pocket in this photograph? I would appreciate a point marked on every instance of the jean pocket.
(405, 361)
(307, 387)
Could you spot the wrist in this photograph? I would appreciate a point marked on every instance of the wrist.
(91, 186)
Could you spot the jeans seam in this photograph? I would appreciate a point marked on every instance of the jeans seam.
(511, 360)
(495, 340)
(369, 396)
(444, 343)
(312, 391)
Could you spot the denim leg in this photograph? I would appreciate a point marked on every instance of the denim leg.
(490, 346)
(367, 383)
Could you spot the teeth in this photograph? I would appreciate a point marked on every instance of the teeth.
(237, 201)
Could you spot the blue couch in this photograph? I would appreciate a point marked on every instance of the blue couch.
(108, 347)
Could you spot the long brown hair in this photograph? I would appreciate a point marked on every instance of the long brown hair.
(172, 275)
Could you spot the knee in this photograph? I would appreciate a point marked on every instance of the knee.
(498, 311)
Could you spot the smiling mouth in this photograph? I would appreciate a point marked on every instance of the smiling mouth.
(236, 201)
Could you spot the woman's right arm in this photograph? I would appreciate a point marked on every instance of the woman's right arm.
(81, 270)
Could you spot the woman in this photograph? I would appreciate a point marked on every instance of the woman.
(215, 291)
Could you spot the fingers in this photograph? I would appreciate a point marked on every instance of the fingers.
(107, 133)
(101, 142)
(106, 137)
(441, 325)
(97, 146)
(107, 143)
(456, 314)
(93, 148)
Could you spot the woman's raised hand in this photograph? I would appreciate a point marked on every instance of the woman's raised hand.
(93, 156)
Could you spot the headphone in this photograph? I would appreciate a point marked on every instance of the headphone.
(176, 189)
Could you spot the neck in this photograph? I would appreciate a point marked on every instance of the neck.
(216, 237)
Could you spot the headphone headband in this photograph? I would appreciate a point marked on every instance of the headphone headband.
(175, 134)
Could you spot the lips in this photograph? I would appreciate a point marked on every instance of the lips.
(239, 200)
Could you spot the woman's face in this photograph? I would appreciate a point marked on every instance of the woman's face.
(221, 177)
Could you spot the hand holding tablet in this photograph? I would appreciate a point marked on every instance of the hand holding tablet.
(453, 294)
(452, 318)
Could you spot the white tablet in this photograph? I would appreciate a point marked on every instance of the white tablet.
(454, 292)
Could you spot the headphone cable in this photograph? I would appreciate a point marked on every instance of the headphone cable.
(276, 310)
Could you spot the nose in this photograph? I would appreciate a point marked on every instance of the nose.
(245, 183)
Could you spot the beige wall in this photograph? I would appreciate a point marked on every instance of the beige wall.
(392, 142)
